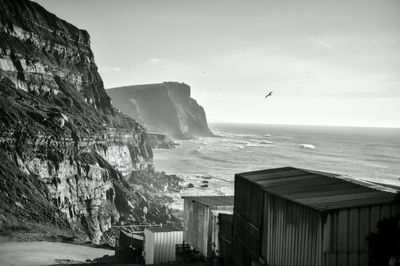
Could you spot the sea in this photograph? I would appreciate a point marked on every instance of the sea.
(208, 165)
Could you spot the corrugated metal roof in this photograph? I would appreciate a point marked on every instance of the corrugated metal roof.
(212, 200)
(319, 190)
(136, 235)
(163, 229)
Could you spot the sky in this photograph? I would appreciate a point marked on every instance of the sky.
(327, 62)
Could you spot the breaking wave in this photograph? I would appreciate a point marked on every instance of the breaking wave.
(261, 141)
(201, 155)
(307, 146)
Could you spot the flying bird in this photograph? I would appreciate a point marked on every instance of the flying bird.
(269, 94)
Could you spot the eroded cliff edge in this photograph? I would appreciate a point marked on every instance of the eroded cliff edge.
(164, 107)
(67, 156)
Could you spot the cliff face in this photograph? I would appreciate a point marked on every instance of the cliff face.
(165, 107)
(66, 153)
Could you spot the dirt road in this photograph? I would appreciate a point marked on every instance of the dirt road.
(46, 253)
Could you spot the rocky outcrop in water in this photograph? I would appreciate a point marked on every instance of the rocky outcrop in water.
(161, 141)
(67, 154)
(166, 107)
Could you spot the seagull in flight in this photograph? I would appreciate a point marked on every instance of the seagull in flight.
(269, 94)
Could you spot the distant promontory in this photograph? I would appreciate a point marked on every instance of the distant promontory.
(163, 107)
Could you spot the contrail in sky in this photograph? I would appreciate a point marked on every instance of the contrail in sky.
(319, 42)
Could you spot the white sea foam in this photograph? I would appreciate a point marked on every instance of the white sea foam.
(261, 141)
(238, 147)
(307, 146)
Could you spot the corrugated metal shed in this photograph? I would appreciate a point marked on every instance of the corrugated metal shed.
(197, 222)
(129, 247)
(319, 190)
(225, 238)
(290, 216)
(159, 245)
(212, 201)
(215, 229)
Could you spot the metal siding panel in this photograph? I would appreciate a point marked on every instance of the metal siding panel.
(374, 217)
(354, 225)
(280, 234)
(186, 215)
(319, 242)
(195, 224)
(363, 229)
(248, 199)
(385, 211)
(314, 238)
(343, 237)
(200, 229)
(304, 248)
(271, 232)
(275, 233)
(149, 246)
(225, 238)
(284, 242)
(363, 258)
(164, 246)
(327, 233)
(331, 259)
(191, 223)
(300, 236)
(156, 248)
(395, 209)
(296, 234)
(291, 230)
(307, 238)
(207, 232)
(266, 230)
(333, 252)
(293, 240)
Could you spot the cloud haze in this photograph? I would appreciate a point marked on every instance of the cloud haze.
(328, 62)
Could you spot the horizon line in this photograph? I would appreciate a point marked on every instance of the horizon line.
(315, 125)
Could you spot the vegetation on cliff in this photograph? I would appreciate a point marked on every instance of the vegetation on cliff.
(66, 155)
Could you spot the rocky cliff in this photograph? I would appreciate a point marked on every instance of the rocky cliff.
(165, 107)
(66, 154)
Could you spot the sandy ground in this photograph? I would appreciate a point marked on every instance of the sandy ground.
(46, 253)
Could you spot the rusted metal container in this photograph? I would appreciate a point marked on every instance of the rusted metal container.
(289, 216)
(159, 245)
(198, 224)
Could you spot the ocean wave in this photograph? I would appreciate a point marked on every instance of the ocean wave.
(259, 145)
(240, 147)
(261, 141)
(197, 152)
(267, 135)
(307, 146)
(238, 142)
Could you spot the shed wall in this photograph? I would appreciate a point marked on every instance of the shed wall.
(129, 247)
(248, 200)
(345, 232)
(246, 222)
(198, 226)
(291, 233)
(282, 231)
(225, 238)
(160, 246)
